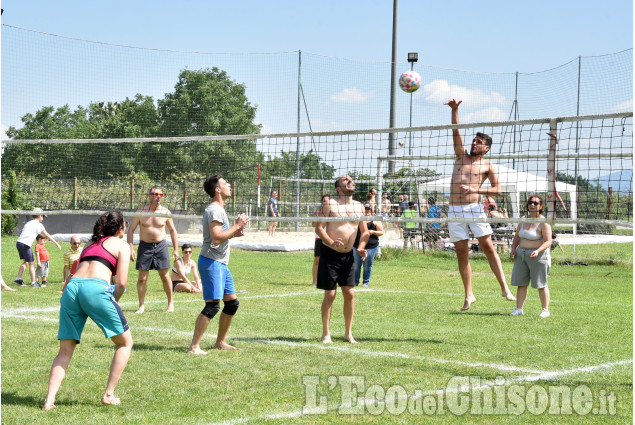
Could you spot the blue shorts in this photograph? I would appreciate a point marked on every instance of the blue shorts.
(25, 252)
(92, 298)
(216, 278)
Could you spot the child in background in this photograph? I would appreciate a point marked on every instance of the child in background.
(42, 257)
(29, 232)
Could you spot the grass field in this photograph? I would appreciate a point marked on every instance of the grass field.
(413, 343)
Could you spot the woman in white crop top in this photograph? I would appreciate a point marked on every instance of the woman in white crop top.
(532, 258)
(182, 268)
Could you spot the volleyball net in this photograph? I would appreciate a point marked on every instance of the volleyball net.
(591, 186)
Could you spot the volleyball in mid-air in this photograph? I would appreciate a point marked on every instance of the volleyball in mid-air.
(410, 81)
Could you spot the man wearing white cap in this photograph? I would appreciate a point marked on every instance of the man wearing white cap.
(29, 232)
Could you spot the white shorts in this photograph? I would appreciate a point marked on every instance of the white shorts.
(460, 231)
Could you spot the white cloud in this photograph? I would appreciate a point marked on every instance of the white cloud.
(4, 132)
(350, 95)
(492, 114)
(439, 91)
(626, 106)
(266, 129)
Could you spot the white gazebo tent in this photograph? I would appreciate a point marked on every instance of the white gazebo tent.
(513, 182)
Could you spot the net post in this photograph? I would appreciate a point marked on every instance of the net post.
(551, 171)
(380, 186)
(279, 195)
(258, 201)
(234, 199)
(610, 207)
(132, 193)
(185, 195)
(75, 193)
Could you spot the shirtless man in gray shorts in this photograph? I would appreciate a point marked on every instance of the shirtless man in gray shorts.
(153, 251)
(470, 171)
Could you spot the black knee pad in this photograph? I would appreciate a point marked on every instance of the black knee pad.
(211, 309)
(231, 307)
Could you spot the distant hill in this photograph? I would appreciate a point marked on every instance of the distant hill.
(620, 181)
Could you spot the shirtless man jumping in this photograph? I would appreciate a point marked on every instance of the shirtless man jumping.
(470, 171)
(336, 255)
(153, 248)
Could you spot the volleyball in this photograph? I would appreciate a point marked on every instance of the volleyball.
(410, 81)
(401, 143)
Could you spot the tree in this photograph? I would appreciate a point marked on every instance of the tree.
(12, 199)
(410, 178)
(311, 166)
(131, 118)
(51, 123)
(206, 103)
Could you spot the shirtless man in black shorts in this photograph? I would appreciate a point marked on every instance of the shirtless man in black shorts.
(336, 255)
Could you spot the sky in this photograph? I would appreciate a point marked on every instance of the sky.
(346, 46)
(486, 36)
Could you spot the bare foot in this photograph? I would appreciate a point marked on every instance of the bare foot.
(508, 296)
(110, 400)
(224, 346)
(141, 309)
(49, 406)
(327, 340)
(6, 288)
(350, 339)
(196, 351)
(170, 309)
(468, 302)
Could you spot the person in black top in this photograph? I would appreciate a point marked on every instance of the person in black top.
(376, 230)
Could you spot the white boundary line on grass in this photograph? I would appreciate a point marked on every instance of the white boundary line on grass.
(531, 374)
(132, 303)
(363, 401)
(311, 292)
(398, 291)
(348, 349)
(500, 367)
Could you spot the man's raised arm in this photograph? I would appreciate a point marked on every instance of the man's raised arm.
(459, 149)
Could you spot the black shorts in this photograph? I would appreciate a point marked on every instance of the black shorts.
(25, 252)
(335, 268)
(176, 282)
(153, 256)
(316, 247)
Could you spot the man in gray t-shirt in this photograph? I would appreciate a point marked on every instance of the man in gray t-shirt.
(218, 282)
(220, 252)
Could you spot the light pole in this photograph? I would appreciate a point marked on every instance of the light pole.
(412, 58)
(393, 80)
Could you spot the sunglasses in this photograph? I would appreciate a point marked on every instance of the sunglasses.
(187, 252)
(533, 203)
(158, 195)
(75, 243)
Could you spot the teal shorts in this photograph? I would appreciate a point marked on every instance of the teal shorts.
(85, 298)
